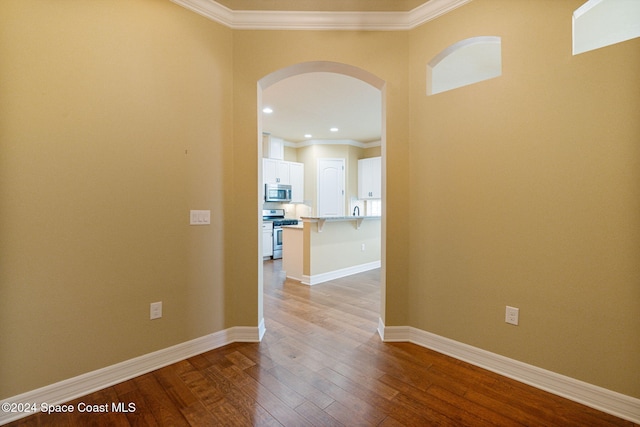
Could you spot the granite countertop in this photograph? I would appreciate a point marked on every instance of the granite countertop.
(321, 220)
(299, 226)
(337, 218)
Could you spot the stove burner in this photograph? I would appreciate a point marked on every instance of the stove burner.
(281, 222)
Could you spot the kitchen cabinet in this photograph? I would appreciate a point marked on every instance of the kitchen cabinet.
(370, 178)
(296, 177)
(283, 172)
(267, 239)
(275, 171)
(272, 147)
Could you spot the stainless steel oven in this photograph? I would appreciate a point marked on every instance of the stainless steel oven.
(277, 241)
(277, 216)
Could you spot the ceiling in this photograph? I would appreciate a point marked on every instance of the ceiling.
(313, 103)
(324, 5)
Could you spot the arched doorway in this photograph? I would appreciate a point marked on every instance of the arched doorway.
(320, 67)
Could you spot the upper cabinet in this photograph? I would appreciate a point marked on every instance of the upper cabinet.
(272, 147)
(282, 172)
(275, 171)
(370, 178)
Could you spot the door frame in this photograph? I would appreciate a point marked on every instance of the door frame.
(343, 183)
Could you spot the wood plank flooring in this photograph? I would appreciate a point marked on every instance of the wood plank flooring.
(321, 363)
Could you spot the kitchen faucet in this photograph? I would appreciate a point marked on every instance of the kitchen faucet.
(354, 211)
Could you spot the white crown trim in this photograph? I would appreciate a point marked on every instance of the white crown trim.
(351, 142)
(289, 20)
(432, 10)
(596, 397)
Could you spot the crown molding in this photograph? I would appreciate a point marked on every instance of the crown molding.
(351, 142)
(431, 10)
(288, 20)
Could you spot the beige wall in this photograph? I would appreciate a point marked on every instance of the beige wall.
(115, 120)
(290, 154)
(260, 53)
(526, 193)
(113, 123)
(339, 245)
(372, 152)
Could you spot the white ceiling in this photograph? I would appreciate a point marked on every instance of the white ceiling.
(312, 103)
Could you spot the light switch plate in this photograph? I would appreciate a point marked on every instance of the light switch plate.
(155, 310)
(200, 217)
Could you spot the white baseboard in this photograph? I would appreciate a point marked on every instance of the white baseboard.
(298, 279)
(262, 329)
(90, 382)
(596, 397)
(336, 274)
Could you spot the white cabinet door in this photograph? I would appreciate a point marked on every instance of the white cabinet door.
(269, 171)
(370, 178)
(275, 171)
(272, 147)
(284, 174)
(267, 239)
(296, 175)
(376, 172)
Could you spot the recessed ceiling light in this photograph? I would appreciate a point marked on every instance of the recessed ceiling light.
(308, 135)
(334, 129)
(267, 110)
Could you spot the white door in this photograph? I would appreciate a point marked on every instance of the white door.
(330, 187)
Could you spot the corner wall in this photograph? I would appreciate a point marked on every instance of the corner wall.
(114, 120)
(525, 193)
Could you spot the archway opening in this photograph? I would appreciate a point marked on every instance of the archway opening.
(362, 76)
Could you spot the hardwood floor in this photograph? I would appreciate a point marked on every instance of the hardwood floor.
(321, 363)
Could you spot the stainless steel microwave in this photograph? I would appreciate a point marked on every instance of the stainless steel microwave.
(277, 193)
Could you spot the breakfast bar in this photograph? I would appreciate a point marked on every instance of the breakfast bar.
(325, 248)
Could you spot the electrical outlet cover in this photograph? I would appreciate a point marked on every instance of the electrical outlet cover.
(511, 315)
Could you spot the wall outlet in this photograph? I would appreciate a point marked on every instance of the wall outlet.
(511, 315)
(362, 248)
(155, 310)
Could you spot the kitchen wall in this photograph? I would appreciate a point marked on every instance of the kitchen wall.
(290, 154)
(309, 156)
(114, 122)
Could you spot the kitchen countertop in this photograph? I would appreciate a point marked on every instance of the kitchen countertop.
(321, 220)
(337, 218)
